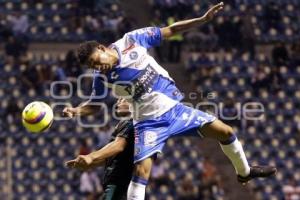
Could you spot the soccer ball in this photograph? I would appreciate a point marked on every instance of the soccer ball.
(37, 117)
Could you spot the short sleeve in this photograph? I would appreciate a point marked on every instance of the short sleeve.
(146, 37)
(125, 129)
(98, 88)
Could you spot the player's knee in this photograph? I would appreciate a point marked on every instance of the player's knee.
(227, 132)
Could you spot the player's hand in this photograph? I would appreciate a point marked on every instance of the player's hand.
(85, 159)
(79, 166)
(82, 162)
(71, 163)
(212, 12)
(69, 112)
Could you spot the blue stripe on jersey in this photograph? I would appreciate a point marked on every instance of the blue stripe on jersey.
(99, 91)
(122, 74)
(168, 88)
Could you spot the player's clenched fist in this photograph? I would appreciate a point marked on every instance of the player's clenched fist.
(69, 112)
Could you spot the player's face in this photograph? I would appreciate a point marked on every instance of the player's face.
(123, 108)
(101, 60)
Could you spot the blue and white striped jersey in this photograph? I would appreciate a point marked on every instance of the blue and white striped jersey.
(138, 77)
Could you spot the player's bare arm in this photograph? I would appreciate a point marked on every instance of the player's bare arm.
(186, 25)
(97, 158)
(111, 149)
(84, 109)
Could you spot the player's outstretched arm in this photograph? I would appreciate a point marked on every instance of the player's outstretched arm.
(109, 150)
(83, 109)
(186, 25)
(97, 158)
(80, 163)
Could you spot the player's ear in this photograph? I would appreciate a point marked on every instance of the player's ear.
(101, 47)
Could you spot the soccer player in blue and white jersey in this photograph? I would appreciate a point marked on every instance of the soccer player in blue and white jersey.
(157, 111)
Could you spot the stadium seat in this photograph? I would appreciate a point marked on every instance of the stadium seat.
(24, 6)
(9, 5)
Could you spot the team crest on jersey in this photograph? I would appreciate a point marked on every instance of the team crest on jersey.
(150, 138)
(133, 55)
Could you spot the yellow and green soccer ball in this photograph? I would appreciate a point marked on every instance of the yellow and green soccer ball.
(37, 117)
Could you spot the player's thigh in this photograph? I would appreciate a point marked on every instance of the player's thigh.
(143, 168)
(217, 130)
(109, 192)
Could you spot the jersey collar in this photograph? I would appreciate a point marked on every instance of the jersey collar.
(113, 46)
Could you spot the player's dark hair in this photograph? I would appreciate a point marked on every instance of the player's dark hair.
(85, 50)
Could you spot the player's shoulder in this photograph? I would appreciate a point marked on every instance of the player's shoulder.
(124, 42)
(124, 129)
(124, 124)
(136, 36)
(151, 30)
(131, 53)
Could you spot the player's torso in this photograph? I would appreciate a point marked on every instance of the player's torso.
(118, 169)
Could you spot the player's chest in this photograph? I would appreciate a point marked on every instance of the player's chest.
(130, 81)
(133, 56)
(128, 70)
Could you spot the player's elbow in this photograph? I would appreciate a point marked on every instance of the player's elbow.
(119, 149)
(167, 32)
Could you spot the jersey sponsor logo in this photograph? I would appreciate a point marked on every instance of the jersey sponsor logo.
(143, 84)
(150, 138)
(133, 55)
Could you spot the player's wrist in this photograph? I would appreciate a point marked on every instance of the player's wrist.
(206, 18)
(92, 157)
(76, 111)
